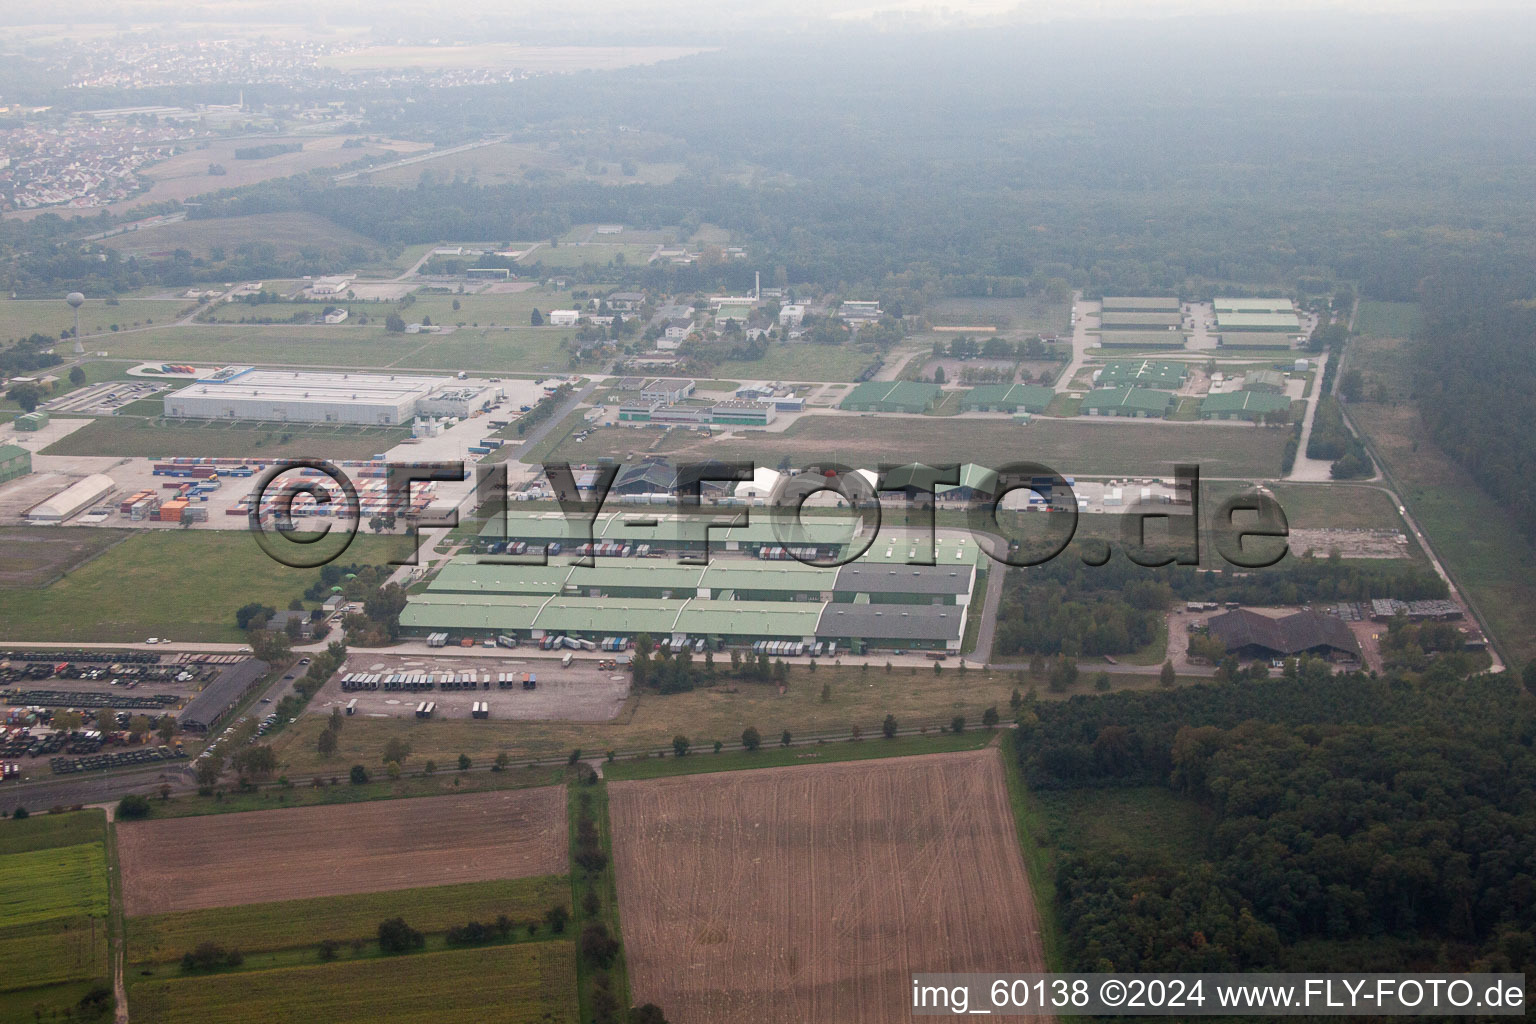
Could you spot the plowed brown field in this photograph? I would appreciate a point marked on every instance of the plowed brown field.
(227, 860)
(811, 894)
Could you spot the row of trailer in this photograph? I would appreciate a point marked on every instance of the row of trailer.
(522, 547)
(795, 648)
(553, 642)
(414, 682)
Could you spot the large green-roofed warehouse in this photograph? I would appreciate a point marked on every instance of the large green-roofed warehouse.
(737, 623)
(1253, 305)
(1228, 323)
(1141, 373)
(730, 579)
(1140, 304)
(1138, 403)
(1142, 339)
(1139, 321)
(890, 396)
(1243, 405)
(1007, 398)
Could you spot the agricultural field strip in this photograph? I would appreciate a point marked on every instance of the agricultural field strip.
(526, 983)
(261, 927)
(268, 856)
(811, 893)
(53, 900)
(59, 882)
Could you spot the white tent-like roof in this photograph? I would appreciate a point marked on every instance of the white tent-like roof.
(78, 495)
(762, 484)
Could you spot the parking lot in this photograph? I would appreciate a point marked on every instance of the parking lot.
(580, 693)
(105, 399)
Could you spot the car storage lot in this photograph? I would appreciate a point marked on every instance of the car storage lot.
(265, 856)
(581, 693)
(810, 894)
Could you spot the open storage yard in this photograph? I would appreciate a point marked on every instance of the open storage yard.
(580, 693)
(811, 893)
(265, 856)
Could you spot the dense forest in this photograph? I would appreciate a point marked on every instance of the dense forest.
(1477, 382)
(1356, 823)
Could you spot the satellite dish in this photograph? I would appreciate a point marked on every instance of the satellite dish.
(75, 299)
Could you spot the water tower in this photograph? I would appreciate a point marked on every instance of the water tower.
(76, 300)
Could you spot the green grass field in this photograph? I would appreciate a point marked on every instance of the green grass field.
(1030, 315)
(1110, 820)
(28, 1005)
(1341, 506)
(22, 317)
(269, 798)
(69, 948)
(344, 346)
(125, 436)
(1388, 319)
(1494, 563)
(53, 902)
(185, 585)
(62, 881)
(508, 162)
(525, 983)
(599, 253)
(771, 755)
(287, 234)
(299, 923)
(282, 312)
(1136, 447)
(494, 350)
(520, 349)
(43, 831)
(486, 309)
(801, 363)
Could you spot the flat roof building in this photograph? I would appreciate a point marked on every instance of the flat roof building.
(666, 389)
(1142, 339)
(1141, 373)
(1140, 304)
(1250, 305)
(243, 393)
(1127, 321)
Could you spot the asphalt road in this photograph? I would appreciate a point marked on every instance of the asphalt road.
(89, 788)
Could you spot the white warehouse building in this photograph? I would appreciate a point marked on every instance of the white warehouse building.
(81, 494)
(244, 393)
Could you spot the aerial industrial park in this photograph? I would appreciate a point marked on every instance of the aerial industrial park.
(645, 515)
